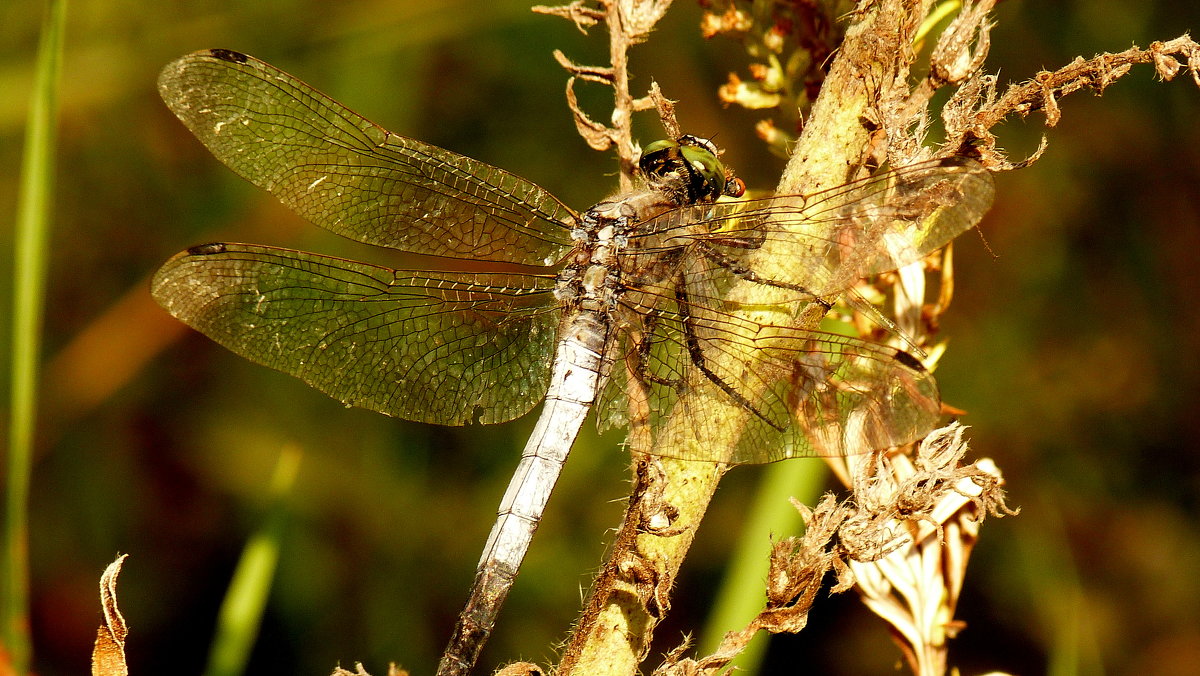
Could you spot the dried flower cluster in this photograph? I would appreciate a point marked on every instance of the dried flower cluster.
(902, 540)
(789, 43)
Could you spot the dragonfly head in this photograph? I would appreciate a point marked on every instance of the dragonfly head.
(689, 167)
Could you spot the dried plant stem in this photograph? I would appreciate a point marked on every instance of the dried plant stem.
(671, 496)
(873, 57)
(1095, 74)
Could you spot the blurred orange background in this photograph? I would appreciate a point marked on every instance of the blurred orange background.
(1074, 343)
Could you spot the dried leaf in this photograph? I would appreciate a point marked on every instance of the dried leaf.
(521, 669)
(108, 655)
(577, 12)
(393, 670)
(953, 59)
(598, 136)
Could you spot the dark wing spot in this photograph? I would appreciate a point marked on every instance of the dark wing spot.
(909, 361)
(229, 55)
(206, 249)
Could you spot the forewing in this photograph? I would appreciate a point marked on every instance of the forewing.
(822, 243)
(437, 347)
(349, 175)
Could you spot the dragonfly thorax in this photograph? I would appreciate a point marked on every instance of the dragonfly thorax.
(589, 278)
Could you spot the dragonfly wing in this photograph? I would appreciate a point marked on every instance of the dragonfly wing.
(792, 392)
(438, 347)
(822, 243)
(349, 175)
(888, 221)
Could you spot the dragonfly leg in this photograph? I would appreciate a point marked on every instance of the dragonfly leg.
(740, 270)
(696, 353)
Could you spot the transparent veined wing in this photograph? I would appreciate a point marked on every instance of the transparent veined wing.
(344, 173)
(798, 392)
(438, 347)
(822, 243)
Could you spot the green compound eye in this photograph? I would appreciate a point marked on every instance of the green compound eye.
(707, 167)
(658, 147)
(660, 160)
(689, 164)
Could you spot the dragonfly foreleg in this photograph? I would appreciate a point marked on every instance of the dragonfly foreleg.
(696, 354)
(740, 270)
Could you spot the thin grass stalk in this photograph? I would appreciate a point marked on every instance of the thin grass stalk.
(1065, 613)
(242, 609)
(31, 233)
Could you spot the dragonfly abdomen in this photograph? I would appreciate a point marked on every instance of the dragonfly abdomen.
(575, 380)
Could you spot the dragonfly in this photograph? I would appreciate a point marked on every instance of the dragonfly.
(628, 302)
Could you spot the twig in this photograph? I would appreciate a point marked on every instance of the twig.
(978, 109)
(629, 22)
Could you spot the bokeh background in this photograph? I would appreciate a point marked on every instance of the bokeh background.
(1074, 343)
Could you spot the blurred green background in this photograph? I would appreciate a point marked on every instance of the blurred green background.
(1074, 345)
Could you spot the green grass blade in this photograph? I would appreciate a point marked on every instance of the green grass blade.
(742, 592)
(935, 17)
(242, 610)
(1063, 613)
(29, 287)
